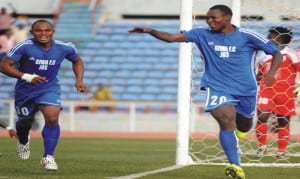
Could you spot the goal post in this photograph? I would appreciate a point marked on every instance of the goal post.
(184, 81)
(184, 86)
(197, 132)
(236, 8)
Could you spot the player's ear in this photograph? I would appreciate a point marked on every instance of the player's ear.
(228, 18)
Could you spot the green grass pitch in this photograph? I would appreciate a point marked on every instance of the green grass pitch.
(107, 158)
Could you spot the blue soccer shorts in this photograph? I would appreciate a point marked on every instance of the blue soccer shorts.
(245, 105)
(27, 106)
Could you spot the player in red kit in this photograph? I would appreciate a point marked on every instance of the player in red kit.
(279, 99)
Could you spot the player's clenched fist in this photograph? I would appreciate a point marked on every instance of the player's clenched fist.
(80, 87)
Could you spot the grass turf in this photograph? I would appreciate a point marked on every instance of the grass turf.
(106, 158)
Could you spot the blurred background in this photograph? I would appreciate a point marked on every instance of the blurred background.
(138, 72)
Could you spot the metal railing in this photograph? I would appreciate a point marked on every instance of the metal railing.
(132, 106)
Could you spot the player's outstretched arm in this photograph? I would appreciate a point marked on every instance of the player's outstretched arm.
(78, 69)
(164, 36)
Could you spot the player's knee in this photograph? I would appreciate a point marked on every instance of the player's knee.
(227, 125)
(243, 124)
(24, 123)
(51, 121)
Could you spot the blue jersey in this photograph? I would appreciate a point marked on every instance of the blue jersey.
(229, 59)
(31, 58)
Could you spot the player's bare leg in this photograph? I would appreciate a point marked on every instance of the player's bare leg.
(226, 118)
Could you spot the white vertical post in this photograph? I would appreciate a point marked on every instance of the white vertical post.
(236, 9)
(132, 122)
(184, 87)
(11, 114)
(72, 116)
(92, 5)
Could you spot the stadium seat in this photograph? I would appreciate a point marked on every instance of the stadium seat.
(129, 97)
(134, 81)
(156, 74)
(101, 37)
(99, 80)
(138, 74)
(117, 81)
(5, 95)
(152, 89)
(134, 89)
(105, 73)
(147, 97)
(161, 66)
(129, 66)
(171, 74)
(119, 37)
(145, 66)
(169, 90)
(151, 81)
(166, 97)
(118, 89)
(111, 66)
(122, 74)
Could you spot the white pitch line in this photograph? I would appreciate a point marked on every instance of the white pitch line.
(142, 174)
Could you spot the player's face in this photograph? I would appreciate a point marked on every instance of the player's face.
(43, 32)
(216, 20)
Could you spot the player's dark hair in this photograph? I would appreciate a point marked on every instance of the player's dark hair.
(41, 20)
(225, 9)
(285, 34)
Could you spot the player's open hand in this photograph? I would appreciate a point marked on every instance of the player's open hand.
(140, 30)
(38, 79)
(80, 87)
(12, 133)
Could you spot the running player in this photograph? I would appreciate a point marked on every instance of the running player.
(279, 99)
(38, 60)
(229, 76)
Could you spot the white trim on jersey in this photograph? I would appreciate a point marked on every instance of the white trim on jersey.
(207, 96)
(255, 34)
(17, 46)
(253, 64)
(69, 44)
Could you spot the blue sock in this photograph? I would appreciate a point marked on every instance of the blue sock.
(229, 143)
(51, 136)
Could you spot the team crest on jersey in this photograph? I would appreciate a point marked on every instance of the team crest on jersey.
(225, 50)
(43, 63)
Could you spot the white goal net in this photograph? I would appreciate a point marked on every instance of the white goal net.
(204, 147)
